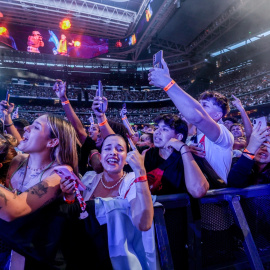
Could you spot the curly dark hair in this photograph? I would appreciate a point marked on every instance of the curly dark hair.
(174, 122)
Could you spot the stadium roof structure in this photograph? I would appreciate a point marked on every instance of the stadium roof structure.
(186, 30)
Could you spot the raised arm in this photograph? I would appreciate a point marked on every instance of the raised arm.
(103, 124)
(245, 119)
(142, 206)
(60, 90)
(123, 114)
(7, 109)
(190, 108)
(13, 206)
(239, 175)
(196, 183)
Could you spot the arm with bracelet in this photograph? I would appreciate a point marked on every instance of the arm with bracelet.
(7, 109)
(60, 90)
(142, 206)
(240, 173)
(196, 183)
(190, 108)
(103, 124)
(126, 123)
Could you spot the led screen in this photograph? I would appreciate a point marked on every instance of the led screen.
(57, 42)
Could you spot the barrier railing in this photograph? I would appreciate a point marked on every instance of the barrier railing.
(227, 229)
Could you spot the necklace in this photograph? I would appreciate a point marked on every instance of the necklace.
(115, 183)
(42, 170)
(38, 169)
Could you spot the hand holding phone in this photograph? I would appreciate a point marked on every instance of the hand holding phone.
(261, 120)
(100, 94)
(157, 59)
(7, 96)
(64, 172)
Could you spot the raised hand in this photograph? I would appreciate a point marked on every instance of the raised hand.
(159, 77)
(6, 108)
(60, 89)
(237, 103)
(136, 161)
(123, 112)
(15, 115)
(258, 136)
(97, 102)
(91, 119)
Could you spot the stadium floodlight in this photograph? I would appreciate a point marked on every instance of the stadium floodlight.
(240, 44)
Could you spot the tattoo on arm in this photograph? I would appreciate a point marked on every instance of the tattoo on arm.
(39, 189)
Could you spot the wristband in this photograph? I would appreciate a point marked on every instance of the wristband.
(124, 118)
(103, 123)
(186, 152)
(93, 154)
(250, 155)
(68, 201)
(182, 147)
(141, 179)
(171, 83)
(8, 125)
(65, 102)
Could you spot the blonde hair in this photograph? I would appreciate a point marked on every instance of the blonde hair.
(66, 150)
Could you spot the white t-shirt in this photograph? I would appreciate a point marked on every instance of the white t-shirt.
(127, 188)
(219, 153)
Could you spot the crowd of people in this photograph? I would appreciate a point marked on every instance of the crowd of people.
(61, 177)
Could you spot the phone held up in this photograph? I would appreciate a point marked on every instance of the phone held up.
(100, 94)
(263, 121)
(64, 172)
(157, 59)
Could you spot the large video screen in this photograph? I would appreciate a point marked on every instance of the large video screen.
(57, 42)
(149, 13)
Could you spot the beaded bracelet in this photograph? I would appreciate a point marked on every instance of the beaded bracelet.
(103, 123)
(141, 179)
(65, 102)
(8, 125)
(170, 84)
(69, 201)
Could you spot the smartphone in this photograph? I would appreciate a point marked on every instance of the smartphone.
(124, 106)
(157, 59)
(7, 97)
(100, 94)
(263, 121)
(65, 172)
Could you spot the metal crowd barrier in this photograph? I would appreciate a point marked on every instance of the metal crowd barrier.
(227, 229)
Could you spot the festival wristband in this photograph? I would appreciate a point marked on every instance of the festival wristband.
(171, 83)
(141, 179)
(69, 201)
(93, 154)
(250, 155)
(65, 102)
(124, 118)
(103, 123)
